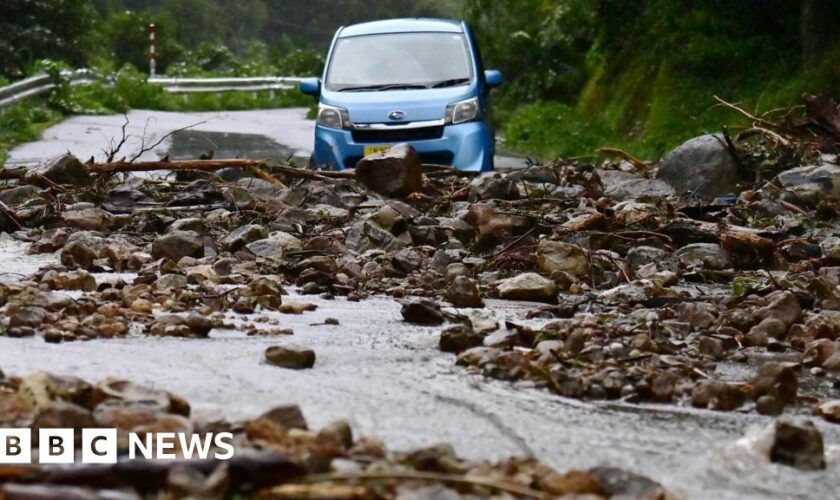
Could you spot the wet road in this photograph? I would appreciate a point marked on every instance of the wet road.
(390, 380)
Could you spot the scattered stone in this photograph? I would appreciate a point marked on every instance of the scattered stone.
(294, 358)
(422, 312)
(528, 286)
(178, 244)
(798, 443)
(464, 292)
(557, 256)
(65, 169)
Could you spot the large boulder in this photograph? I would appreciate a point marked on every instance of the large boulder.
(65, 169)
(703, 166)
(178, 244)
(397, 171)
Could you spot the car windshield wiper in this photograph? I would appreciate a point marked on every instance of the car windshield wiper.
(449, 83)
(384, 86)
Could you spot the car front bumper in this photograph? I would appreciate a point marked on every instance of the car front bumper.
(465, 146)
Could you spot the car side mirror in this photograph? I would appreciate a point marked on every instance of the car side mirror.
(493, 78)
(310, 86)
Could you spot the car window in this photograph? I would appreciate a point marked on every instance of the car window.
(394, 59)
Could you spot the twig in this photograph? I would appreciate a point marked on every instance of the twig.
(745, 113)
(639, 164)
(144, 149)
(145, 166)
(110, 155)
(505, 486)
(261, 174)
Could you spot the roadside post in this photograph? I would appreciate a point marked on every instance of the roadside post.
(152, 61)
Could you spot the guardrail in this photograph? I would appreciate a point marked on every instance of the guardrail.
(40, 84)
(244, 84)
(43, 83)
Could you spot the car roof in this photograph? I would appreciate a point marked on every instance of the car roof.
(405, 25)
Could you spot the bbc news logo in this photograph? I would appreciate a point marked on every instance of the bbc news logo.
(100, 446)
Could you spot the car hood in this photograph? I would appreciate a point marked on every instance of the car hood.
(417, 104)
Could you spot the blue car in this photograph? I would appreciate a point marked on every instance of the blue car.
(419, 81)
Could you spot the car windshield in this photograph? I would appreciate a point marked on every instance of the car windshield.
(399, 61)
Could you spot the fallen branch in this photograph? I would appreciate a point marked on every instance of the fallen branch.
(147, 166)
(638, 163)
(320, 175)
(263, 175)
(745, 113)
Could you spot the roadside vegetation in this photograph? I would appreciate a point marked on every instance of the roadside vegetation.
(579, 74)
(642, 75)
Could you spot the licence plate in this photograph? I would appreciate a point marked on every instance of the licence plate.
(369, 150)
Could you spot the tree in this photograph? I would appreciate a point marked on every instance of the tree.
(38, 29)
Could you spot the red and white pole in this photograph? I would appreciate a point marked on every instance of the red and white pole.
(152, 61)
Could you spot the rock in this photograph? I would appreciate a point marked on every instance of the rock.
(61, 414)
(812, 182)
(397, 171)
(574, 483)
(267, 192)
(459, 338)
(276, 245)
(294, 358)
(618, 483)
(464, 292)
(178, 244)
(702, 166)
(65, 169)
(26, 317)
(493, 227)
(798, 443)
(829, 410)
(77, 280)
(705, 255)
(768, 328)
(243, 235)
(88, 219)
(78, 255)
(492, 185)
(199, 324)
(287, 416)
(19, 194)
(640, 256)
(784, 307)
(777, 380)
(188, 224)
(528, 286)
(717, 395)
(422, 312)
(558, 256)
(171, 281)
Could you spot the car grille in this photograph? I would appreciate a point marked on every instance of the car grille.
(398, 135)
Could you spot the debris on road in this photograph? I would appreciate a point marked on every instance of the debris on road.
(275, 455)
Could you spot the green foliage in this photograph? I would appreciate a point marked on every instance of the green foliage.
(23, 122)
(642, 74)
(550, 129)
(35, 29)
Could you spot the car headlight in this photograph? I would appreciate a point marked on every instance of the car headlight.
(333, 117)
(462, 111)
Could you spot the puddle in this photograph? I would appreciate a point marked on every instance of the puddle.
(191, 144)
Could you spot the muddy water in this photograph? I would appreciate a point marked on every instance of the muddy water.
(389, 379)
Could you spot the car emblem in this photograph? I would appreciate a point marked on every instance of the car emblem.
(396, 115)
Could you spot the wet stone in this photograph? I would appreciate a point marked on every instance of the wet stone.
(798, 443)
(295, 358)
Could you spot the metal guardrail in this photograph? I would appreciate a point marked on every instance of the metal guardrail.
(42, 83)
(245, 84)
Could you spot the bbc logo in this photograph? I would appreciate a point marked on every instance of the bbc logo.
(58, 446)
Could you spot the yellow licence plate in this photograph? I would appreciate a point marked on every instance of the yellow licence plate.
(369, 150)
